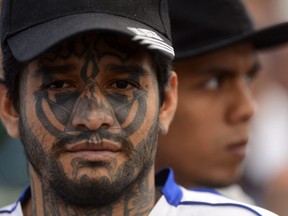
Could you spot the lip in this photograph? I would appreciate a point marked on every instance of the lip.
(103, 145)
(238, 148)
(94, 151)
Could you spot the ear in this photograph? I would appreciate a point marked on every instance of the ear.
(8, 114)
(169, 105)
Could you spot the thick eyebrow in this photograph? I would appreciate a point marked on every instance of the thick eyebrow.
(53, 69)
(216, 71)
(133, 70)
(255, 68)
(129, 69)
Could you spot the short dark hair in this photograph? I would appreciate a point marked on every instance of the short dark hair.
(163, 66)
(12, 68)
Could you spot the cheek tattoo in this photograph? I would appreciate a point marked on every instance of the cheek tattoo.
(63, 105)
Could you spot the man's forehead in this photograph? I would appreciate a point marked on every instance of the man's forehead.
(96, 51)
(65, 60)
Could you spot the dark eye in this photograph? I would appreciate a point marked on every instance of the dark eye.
(249, 79)
(58, 85)
(122, 84)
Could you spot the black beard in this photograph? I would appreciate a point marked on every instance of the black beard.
(89, 192)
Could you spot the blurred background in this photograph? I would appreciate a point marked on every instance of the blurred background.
(265, 176)
(13, 172)
(266, 166)
(13, 164)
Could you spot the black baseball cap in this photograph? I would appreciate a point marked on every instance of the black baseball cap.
(202, 26)
(31, 27)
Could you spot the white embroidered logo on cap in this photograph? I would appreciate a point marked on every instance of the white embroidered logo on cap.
(145, 32)
(150, 38)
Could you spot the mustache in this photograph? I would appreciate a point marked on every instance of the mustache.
(68, 139)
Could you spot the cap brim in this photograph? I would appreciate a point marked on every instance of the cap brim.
(30, 43)
(261, 39)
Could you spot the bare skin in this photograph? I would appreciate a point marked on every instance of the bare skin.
(89, 121)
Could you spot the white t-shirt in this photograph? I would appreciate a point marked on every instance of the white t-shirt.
(178, 201)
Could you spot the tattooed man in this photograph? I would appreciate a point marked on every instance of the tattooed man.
(87, 102)
(89, 87)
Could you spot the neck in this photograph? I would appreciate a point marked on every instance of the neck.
(139, 201)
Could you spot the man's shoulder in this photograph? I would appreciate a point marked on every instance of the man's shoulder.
(177, 200)
(12, 210)
(205, 203)
(208, 200)
(15, 209)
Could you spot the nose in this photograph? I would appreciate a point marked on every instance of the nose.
(243, 105)
(92, 110)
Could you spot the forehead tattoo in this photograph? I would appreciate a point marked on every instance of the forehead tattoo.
(55, 111)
